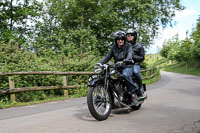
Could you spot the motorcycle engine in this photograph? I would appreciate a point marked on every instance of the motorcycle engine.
(119, 88)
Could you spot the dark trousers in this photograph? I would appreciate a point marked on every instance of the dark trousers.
(127, 76)
(136, 72)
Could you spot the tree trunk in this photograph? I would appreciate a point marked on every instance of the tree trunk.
(82, 25)
(11, 14)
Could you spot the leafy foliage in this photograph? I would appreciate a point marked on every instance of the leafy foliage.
(105, 17)
(187, 50)
(196, 42)
(14, 59)
(17, 19)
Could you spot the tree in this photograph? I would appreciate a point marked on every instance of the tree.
(165, 50)
(186, 51)
(17, 19)
(171, 49)
(196, 42)
(106, 17)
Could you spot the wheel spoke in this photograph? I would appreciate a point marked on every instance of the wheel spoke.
(101, 100)
(98, 107)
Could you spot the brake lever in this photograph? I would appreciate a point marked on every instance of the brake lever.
(119, 62)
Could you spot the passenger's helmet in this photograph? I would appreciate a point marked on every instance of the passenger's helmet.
(132, 31)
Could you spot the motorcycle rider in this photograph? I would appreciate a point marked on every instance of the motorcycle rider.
(138, 56)
(122, 51)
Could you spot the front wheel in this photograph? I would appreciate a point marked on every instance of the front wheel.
(99, 102)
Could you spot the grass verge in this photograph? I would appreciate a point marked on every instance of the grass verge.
(10, 104)
(152, 80)
(181, 68)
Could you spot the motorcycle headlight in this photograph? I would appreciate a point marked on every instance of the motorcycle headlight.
(98, 68)
(114, 74)
(92, 77)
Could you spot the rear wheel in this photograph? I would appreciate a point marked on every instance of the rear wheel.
(99, 102)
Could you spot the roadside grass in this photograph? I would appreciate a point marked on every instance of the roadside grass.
(10, 104)
(164, 65)
(152, 80)
(181, 68)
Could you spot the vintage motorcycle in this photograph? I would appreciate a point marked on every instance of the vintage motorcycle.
(107, 91)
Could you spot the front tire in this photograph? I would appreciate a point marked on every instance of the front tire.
(99, 102)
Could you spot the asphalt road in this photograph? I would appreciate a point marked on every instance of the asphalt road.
(173, 106)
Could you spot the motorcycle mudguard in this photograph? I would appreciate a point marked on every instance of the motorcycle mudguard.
(144, 85)
(95, 81)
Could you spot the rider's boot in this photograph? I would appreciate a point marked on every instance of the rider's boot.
(140, 91)
(134, 97)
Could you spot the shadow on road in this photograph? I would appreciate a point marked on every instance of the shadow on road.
(122, 111)
(84, 114)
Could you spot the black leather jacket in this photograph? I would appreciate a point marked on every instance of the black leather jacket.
(138, 53)
(119, 54)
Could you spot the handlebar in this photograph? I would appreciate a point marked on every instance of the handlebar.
(118, 63)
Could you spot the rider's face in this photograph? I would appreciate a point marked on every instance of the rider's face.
(120, 42)
(130, 37)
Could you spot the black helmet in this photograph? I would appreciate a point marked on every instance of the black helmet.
(120, 34)
(132, 31)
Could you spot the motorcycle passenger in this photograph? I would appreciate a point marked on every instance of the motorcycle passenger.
(122, 51)
(138, 56)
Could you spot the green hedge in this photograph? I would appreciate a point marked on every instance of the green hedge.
(14, 59)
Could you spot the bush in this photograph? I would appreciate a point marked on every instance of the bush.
(14, 59)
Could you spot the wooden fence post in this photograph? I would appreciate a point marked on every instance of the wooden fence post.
(150, 72)
(65, 84)
(153, 70)
(146, 74)
(12, 86)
